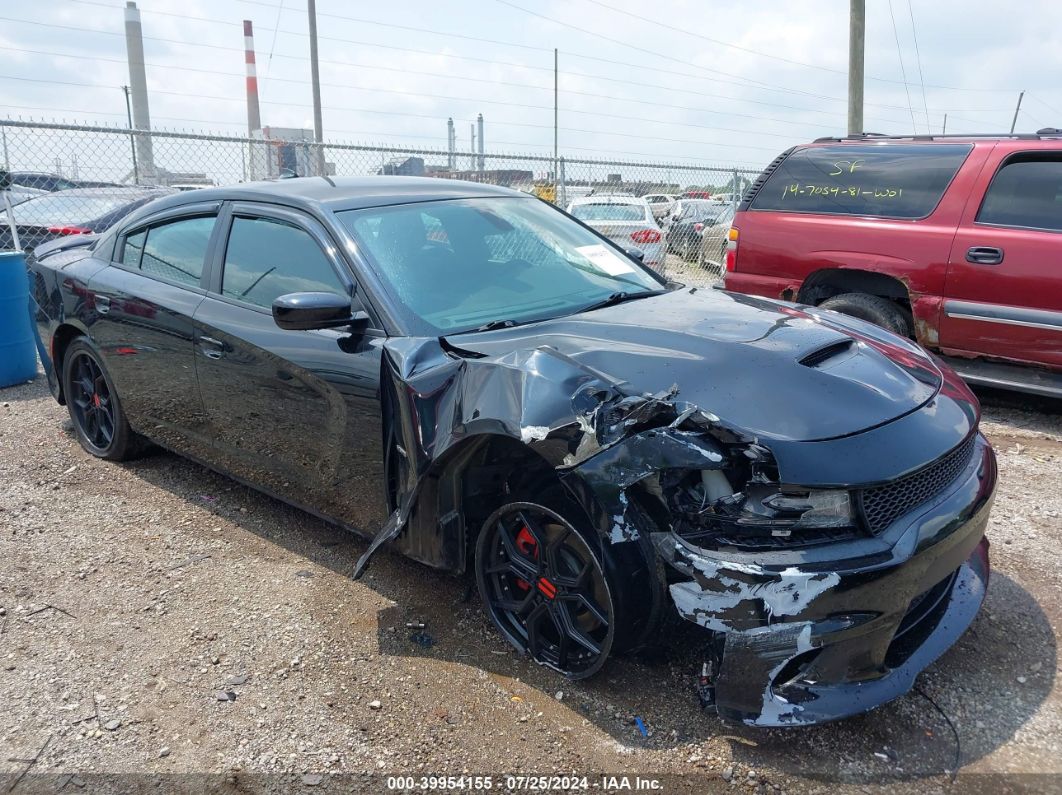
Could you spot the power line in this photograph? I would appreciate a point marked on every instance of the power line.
(762, 54)
(596, 95)
(546, 147)
(718, 42)
(628, 45)
(918, 60)
(1050, 107)
(903, 72)
(463, 77)
(491, 61)
(420, 115)
(624, 44)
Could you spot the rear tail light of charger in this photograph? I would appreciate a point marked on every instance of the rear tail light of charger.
(644, 236)
(731, 249)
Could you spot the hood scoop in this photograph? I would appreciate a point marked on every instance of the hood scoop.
(834, 353)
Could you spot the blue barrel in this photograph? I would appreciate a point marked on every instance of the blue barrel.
(18, 351)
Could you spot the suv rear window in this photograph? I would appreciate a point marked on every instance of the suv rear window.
(888, 181)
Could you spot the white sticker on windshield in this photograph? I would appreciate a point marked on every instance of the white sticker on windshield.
(604, 260)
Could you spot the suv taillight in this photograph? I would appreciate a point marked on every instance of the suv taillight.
(731, 249)
(644, 236)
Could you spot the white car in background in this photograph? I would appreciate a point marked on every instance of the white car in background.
(625, 220)
(659, 203)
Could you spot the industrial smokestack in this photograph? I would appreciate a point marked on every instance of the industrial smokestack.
(479, 124)
(134, 47)
(254, 116)
(472, 147)
(451, 144)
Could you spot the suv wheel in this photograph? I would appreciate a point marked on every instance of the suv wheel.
(873, 308)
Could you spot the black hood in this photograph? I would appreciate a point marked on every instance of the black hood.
(775, 370)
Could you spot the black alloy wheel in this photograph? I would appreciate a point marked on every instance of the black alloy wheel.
(545, 590)
(91, 405)
(95, 410)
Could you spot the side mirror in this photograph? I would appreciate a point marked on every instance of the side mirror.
(303, 311)
(635, 253)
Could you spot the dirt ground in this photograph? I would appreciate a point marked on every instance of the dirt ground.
(158, 618)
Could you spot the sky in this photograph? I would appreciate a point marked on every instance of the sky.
(678, 81)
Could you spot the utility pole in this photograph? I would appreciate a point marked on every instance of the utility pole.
(1014, 123)
(132, 136)
(944, 126)
(315, 72)
(857, 29)
(555, 91)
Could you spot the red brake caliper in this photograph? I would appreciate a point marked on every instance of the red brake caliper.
(526, 544)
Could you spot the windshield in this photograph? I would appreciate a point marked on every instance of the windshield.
(605, 211)
(700, 211)
(56, 209)
(460, 264)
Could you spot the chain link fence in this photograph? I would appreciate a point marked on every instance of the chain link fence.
(70, 179)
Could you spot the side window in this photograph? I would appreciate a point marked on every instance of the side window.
(134, 247)
(1026, 192)
(267, 258)
(175, 250)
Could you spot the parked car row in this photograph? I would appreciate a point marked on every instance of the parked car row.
(625, 220)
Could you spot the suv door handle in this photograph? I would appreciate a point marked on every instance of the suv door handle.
(102, 304)
(984, 255)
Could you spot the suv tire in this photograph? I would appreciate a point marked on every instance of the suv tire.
(873, 308)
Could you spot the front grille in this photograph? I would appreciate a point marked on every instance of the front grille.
(883, 505)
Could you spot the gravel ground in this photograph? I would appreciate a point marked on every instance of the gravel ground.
(156, 617)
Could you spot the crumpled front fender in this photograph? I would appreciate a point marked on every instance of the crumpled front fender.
(600, 483)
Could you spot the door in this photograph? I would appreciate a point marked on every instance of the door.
(1003, 294)
(144, 304)
(296, 413)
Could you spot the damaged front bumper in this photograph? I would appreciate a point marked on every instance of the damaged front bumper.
(822, 633)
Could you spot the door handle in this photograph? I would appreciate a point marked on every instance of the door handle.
(102, 304)
(212, 348)
(984, 255)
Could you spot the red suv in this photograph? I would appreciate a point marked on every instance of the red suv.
(955, 241)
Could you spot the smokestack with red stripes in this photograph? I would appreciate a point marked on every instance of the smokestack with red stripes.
(254, 116)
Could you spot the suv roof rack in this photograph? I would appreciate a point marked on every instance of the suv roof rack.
(1039, 135)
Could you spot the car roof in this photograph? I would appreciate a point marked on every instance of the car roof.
(606, 199)
(341, 193)
(1048, 138)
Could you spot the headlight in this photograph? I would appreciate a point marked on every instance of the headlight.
(707, 510)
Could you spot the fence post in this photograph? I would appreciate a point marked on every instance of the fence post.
(562, 192)
(735, 192)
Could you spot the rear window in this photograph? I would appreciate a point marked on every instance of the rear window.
(898, 181)
(609, 212)
(56, 209)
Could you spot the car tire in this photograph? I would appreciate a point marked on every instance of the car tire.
(624, 582)
(873, 308)
(95, 410)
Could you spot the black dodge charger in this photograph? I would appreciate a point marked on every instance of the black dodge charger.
(470, 375)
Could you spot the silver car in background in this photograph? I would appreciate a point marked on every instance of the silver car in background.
(660, 204)
(625, 220)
